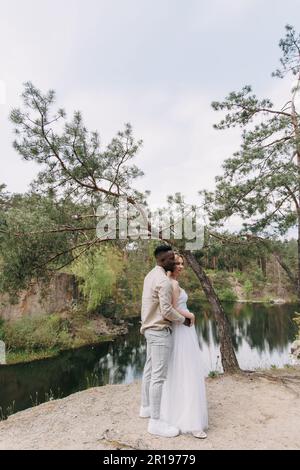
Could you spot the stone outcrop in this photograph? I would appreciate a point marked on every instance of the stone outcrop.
(40, 299)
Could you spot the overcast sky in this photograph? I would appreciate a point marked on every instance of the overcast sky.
(157, 64)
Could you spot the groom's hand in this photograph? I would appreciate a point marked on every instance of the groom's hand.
(191, 317)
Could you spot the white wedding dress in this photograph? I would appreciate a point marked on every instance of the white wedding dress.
(184, 403)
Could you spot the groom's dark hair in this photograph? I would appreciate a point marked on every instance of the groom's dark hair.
(161, 249)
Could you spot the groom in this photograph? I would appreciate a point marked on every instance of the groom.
(157, 317)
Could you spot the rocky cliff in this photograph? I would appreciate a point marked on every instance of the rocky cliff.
(40, 299)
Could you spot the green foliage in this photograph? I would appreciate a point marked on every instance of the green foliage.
(222, 286)
(85, 335)
(98, 272)
(267, 299)
(71, 155)
(227, 295)
(36, 399)
(238, 275)
(248, 289)
(93, 380)
(297, 321)
(24, 356)
(221, 280)
(30, 240)
(37, 333)
(41, 231)
(290, 46)
(260, 181)
(31, 338)
(5, 413)
(138, 261)
(256, 276)
(213, 374)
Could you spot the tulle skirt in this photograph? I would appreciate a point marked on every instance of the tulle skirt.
(184, 402)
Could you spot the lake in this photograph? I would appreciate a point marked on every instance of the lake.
(262, 336)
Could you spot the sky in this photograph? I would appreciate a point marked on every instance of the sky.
(157, 64)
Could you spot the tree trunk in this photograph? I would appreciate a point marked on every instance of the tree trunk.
(264, 266)
(298, 271)
(297, 135)
(228, 357)
(75, 289)
(286, 268)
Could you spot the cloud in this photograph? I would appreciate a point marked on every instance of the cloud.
(155, 64)
(2, 92)
(181, 151)
(219, 14)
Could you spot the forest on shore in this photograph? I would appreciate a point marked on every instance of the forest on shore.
(53, 226)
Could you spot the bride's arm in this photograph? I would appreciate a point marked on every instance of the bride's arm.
(176, 293)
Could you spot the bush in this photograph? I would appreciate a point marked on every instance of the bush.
(227, 295)
(257, 277)
(36, 333)
(98, 272)
(222, 285)
(221, 280)
(86, 335)
(213, 374)
(239, 276)
(248, 288)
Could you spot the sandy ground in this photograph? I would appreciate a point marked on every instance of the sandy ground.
(245, 413)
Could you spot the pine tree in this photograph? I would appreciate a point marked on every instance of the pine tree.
(261, 182)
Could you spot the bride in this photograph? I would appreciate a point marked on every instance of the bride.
(184, 402)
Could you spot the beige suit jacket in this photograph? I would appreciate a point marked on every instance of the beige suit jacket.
(157, 309)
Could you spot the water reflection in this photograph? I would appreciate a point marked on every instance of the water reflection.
(262, 336)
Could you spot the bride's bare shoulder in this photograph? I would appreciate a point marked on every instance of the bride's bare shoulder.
(175, 283)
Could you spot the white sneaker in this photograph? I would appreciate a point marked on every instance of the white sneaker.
(145, 412)
(159, 428)
(200, 434)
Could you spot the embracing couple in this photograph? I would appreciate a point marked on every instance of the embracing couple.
(173, 387)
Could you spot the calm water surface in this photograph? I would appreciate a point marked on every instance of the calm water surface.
(262, 336)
